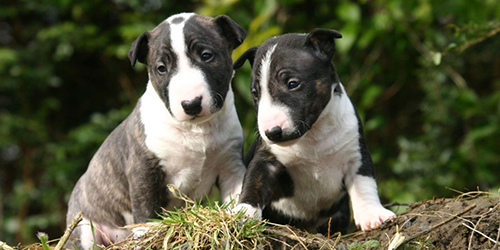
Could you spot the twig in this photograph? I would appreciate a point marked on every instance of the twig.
(458, 79)
(477, 224)
(396, 241)
(472, 234)
(298, 238)
(365, 68)
(498, 237)
(337, 239)
(498, 233)
(4, 246)
(470, 194)
(396, 204)
(329, 224)
(68, 231)
(429, 56)
(438, 225)
(474, 42)
(481, 233)
(283, 243)
(292, 236)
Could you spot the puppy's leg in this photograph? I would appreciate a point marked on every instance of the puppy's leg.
(147, 192)
(258, 182)
(266, 180)
(231, 179)
(84, 235)
(368, 211)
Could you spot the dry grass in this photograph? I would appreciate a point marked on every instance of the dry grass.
(210, 226)
(469, 221)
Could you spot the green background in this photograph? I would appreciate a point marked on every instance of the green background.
(424, 75)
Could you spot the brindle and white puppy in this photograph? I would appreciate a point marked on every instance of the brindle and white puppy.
(310, 155)
(184, 131)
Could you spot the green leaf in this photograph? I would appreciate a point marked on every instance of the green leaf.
(436, 58)
(349, 34)
(349, 12)
(371, 243)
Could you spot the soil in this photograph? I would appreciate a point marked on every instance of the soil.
(471, 221)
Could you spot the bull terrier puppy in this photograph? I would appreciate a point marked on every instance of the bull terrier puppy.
(310, 156)
(183, 131)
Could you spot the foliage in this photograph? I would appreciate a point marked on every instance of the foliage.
(423, 75)
(372, 244)
(43, 239)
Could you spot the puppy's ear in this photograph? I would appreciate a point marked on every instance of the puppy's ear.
(232, 31)
(139, 49)
(322, 40)
(249, 54)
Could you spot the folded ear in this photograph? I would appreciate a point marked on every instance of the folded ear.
(249, 54)
(232, 31)
(322, 40)
(139, 49)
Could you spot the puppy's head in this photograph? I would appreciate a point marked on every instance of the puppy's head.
(188, 58)
(292, 82)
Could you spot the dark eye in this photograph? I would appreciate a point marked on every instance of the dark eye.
(205, 56)
(161, 69)
(293, 84)
(255, 94)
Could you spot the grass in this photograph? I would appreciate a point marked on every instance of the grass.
(371, 244)
(201, 227)
(43, 239)
(210, 226)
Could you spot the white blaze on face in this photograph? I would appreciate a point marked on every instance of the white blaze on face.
(271, 114)
(188, 81)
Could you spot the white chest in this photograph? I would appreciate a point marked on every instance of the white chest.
(317, 185)
(191, 155)
(319, 162)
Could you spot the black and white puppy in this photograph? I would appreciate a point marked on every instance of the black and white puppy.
(310, 155)
(184, 131)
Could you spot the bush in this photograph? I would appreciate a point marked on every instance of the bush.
(423, 75)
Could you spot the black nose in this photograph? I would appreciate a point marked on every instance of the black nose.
(192, 107)
(274, 133)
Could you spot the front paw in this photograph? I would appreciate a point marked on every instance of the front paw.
(371, 218)
(139, 231)
(250, 211)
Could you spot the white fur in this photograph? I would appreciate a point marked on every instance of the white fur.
(326, 154)
(194, 155)
(249, 210)
(139, 232)
(129, 218)
(188, 82)
(273, 114)
(322, 156)
(86, 234)
(368, 212)
(104, 232)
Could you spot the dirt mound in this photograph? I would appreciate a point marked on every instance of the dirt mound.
(471, 221)
(468, 222)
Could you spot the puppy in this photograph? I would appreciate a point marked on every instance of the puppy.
(310, 155)
(184, 131)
